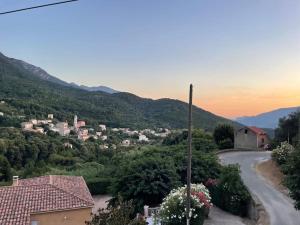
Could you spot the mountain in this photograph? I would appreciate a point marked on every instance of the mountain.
(36, 71)
(32, 93)
(98, 88)
(268, 119)
(40, 73)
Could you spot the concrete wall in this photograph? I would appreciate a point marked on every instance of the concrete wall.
(257, 212)
(69, 217)
(245, 140)
(262, 140)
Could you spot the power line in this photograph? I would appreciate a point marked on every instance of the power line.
(39, 6)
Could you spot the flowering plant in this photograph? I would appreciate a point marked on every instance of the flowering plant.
(281, 153)
(173, 208)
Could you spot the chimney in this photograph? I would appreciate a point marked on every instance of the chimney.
(146, 211)
(15, 181)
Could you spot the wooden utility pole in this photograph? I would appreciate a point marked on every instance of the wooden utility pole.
(189, 159)
(298, 127)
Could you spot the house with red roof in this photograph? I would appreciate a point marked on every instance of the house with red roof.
(46, 200)
(250, 138)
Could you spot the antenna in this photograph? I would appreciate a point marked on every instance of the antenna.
(189, 160)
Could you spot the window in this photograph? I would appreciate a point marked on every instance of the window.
(246, 131)
(262, 140)
(34, 222)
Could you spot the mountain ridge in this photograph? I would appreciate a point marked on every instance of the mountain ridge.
(39, 72)
(268, 119)
(34, 97)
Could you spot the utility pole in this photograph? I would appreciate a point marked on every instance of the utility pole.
(299, 128)
(189, 159)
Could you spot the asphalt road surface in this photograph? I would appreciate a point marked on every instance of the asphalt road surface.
(279, 207)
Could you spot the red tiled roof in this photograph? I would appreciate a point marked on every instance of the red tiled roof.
(257, 130)
(42, 194)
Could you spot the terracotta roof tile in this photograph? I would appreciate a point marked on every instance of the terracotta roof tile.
(42, 194)
(257, 130)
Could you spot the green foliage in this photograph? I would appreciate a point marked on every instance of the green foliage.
(230, 193)
(173, 208)
(224, 136)
(202, 141)
(204, 166)
(292, 179)
(146, 180)
(33, 97)
(288, 129)
(281, 154)
(98, 186)
(5, 169)
(121, 214)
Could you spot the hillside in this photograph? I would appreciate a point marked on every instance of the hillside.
(268, 119)
(32, 96)
(42, 74)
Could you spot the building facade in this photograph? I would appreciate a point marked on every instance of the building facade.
(250, 138)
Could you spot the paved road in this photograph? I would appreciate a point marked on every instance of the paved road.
(220, 217)
(279, 207)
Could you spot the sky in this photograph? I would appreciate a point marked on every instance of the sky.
(243, 57)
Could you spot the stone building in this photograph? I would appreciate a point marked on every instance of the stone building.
(250, 138)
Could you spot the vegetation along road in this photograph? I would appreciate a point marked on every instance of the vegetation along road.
(279, 207)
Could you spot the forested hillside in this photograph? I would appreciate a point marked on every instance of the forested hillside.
(31, 96)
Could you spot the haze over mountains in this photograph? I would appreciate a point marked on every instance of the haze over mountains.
(267, 119)
(32, 92)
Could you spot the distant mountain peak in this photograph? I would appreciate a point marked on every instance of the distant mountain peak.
(42, 74)
(267, 119)
(95, 88)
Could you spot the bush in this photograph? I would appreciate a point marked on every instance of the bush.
(226, 144)
(282, 152)
(98, 186)
(173, 208)
(292, 179)
(229, 192)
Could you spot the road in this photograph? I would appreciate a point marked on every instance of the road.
(279, 207)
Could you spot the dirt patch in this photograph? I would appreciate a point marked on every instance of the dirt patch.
(271, 172)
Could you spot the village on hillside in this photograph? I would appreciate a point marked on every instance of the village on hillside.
(80, 129)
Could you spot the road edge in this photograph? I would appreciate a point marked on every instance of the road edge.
(256, 211)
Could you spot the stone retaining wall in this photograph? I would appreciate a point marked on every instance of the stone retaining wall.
(257, 212)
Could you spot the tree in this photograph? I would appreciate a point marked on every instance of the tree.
(5, 169)
(146, 180)
(224, 136)
(288, 128)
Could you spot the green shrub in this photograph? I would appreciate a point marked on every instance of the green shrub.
(226, 144)
(230, 193)
(292, 179)
(281, 153)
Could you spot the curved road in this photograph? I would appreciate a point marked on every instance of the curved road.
(279, 207)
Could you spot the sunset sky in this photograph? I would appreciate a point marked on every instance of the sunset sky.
(243, 57)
